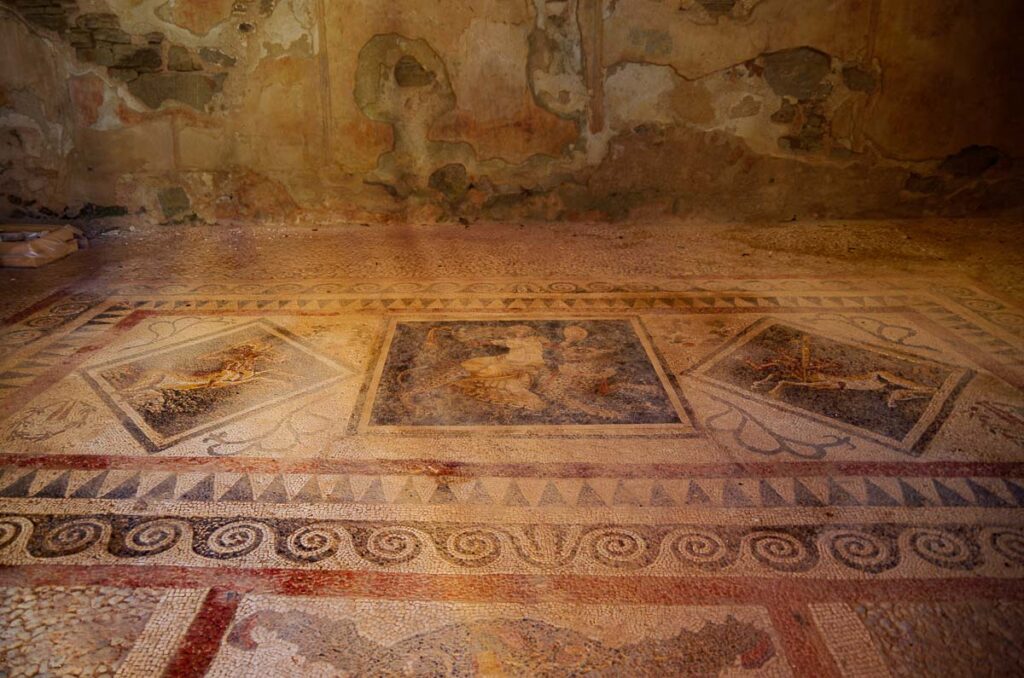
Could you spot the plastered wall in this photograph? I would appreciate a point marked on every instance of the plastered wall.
(221, 110)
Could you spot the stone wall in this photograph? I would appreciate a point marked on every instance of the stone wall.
(218, 110)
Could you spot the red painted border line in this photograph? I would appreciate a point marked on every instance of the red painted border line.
(457, 469)
(18, 316)
(804, 649)
(517, 588)
(203, 638)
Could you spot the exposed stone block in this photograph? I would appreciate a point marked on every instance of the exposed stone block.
(798, 72)
(80, 38)
(217, 57)
(144, 59)
(917, 183)
(125, 74)
(193, 89)
(174, 202)
(102, 55)
(180, 59)
(717, 7)
(112, 35)
(972, 161)
(95, 20)
(859, 79)
(410, 73)
(451, 180)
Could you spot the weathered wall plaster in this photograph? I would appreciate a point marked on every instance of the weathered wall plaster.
(217, 110)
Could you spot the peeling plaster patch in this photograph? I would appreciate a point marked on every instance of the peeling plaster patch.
(633, 93)
(196, 16)
(555, 64)
(496, 112)
(87, 95)
(21, 135)
(290, 31)
(404, 82)
(383, 97)
(655, 43)
(649, 93)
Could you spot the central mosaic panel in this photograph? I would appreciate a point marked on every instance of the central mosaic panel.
(520, 373)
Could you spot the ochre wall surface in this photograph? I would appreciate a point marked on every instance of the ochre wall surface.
(219, 110)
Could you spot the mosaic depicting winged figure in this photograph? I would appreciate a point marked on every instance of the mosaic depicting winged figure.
(232, 366)
(531, 373)
(802, 370)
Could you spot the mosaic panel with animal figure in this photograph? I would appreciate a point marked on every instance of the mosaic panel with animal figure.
(174, 393)
(521, 373)
(897, 398)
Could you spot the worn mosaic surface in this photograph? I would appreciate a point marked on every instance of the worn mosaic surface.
(533, 477)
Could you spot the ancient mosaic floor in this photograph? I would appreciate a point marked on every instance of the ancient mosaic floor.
(332, 477)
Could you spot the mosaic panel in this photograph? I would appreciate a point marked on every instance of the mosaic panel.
(521, 373)
(423, 639)
(179, 392)
(899, 399)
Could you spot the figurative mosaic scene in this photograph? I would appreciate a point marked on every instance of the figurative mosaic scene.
(511, 338)
(527, 373)
(649, 477)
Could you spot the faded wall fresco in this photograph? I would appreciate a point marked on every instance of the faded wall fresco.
(217, 110)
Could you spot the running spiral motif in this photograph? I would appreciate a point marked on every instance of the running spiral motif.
(981, 304)
(20, 337)
(44, 322)
(1009, 543)
(781, 551)
(618, 547)
(151, 537)
(69, 308)
(703, 549)
(864, 551)
(234, 539)
(67, 538)
(390, 545)
(563, 287)
(946, 548)
(9, 531)
(311, 544)
(470, 547)
(1012, 320)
